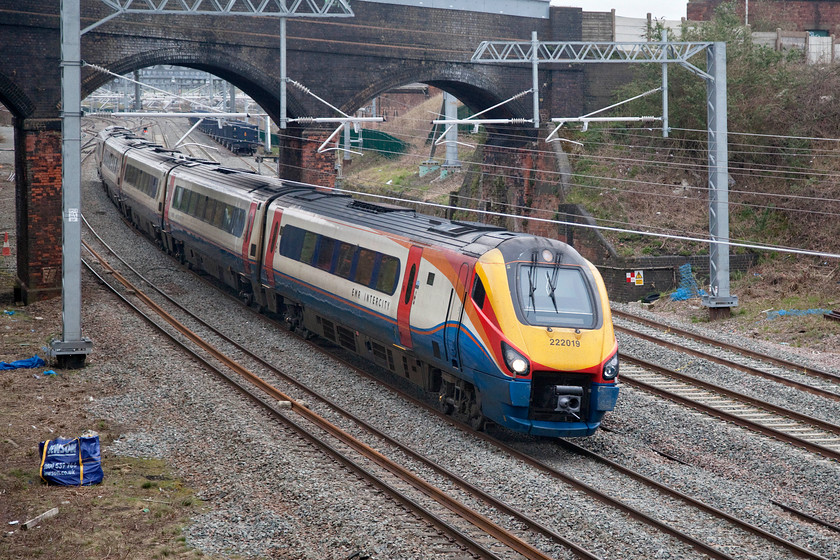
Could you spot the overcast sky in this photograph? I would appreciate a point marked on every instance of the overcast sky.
(669, 9)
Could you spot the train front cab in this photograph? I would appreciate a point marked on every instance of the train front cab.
(548, 323)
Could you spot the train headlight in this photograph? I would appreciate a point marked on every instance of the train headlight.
(515, 362)
(611, 367)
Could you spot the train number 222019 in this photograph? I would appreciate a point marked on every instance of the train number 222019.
(564, 342)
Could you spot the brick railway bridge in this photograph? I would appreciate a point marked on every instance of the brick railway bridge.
(347, 61)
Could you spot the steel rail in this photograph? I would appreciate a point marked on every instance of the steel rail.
(568, 479)
(775, 409)
(729, 363)
(813, 372)
(775, 539)
(714, 553)
(743, 422)
(793, 547)
(363, 473)
(460, 481)
(476, 519)
(807, 516)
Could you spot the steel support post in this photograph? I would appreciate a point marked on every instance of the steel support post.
(283, 107)
(450, 111)
(72, 350)
(719, 296)
(138, 99)
(535, 76)
(665, 124)
(347, 146)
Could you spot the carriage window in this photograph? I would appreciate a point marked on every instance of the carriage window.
(227, 219)
(238, 221)
(193, 203)
(185, 201)
(273, 237)
(478, 294)
(112, 161)
(177, 198)
(140, 180)
(325, 253)
(365, 266)
(409, 284)
(362, 266)
(219, 214)
(209, 210)
(201, 207)
(386, 280)
(307, 251)
(344, 267)
(290, 242)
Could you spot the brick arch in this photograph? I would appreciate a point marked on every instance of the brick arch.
(254, 81)
(14, 98)
(471, 86)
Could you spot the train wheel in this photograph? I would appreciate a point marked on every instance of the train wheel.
(445, 405)
(446, 401)
(477, 420)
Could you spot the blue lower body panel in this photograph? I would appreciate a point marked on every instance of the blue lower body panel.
(507, 402)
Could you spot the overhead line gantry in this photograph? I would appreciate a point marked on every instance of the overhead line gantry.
(648, 52)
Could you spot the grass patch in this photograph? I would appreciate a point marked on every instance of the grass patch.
(127, 516)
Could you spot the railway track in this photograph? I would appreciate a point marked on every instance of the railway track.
(665, 490)
(200, 146)
(745, 359)
(472, 530)
(398, 481)
(787, 425)
(709, 550)
(756, 414)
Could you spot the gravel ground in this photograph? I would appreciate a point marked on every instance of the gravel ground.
(271, 496)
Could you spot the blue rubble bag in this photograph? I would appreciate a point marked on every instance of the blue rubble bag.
(71, 462)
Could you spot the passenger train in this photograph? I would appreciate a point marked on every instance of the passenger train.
(497, 326)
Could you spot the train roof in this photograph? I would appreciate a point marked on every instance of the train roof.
(468, 237)
(471, 238)
(241, 182)
(124, 139)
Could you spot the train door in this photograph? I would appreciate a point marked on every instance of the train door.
(249, 251)
(454, 314)
(410, 281)
(272, 241)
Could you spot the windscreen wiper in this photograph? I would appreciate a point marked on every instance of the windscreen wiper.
(532, 276)
(552, 281)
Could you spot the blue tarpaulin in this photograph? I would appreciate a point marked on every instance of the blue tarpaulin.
(796, 312)
(34, 361)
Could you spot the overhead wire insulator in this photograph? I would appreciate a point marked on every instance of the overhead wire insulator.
(522, 93)
(96, 67)
(300, 86)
